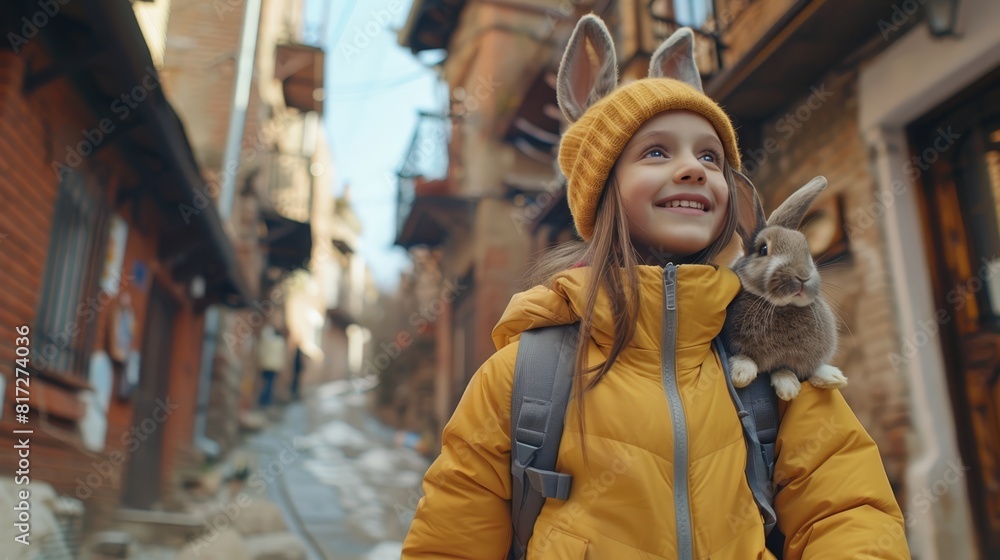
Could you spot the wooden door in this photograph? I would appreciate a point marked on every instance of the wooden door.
(959, 147)
(143, 478)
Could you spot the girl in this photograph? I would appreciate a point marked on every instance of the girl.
(651, 179)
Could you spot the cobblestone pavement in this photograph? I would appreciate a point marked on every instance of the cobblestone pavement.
(344, 486)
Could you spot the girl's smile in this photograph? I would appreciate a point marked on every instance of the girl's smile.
(694, 204)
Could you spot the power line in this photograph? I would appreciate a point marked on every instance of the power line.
(371, 87)
(345, 16)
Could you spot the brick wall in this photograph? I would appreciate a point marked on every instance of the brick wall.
(827, 142)
(200, 69)
(33, 132)
(36, 128)
(23, 162)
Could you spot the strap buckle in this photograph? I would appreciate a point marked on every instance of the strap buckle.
(524, 454)
(550, 484)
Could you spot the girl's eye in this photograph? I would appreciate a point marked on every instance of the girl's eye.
(763, 250)
(713, 157)
(656, 152)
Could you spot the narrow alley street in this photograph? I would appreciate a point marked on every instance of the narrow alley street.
(344, 486)
(255, 252)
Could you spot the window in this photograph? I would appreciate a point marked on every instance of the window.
(692, 13)
(700, 15)
(68, 309)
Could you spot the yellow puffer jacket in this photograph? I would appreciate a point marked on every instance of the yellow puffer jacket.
(833, 498)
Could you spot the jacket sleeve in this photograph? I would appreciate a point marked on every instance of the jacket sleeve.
(465, 509)
(834, 499)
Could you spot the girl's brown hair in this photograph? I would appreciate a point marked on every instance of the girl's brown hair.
(612, 260)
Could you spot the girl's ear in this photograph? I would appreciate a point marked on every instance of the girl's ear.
(589, 68)
(750, 213)
(674, 58)
(789, 215)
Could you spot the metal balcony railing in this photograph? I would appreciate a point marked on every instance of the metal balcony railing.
(426, 160)
(709, 19)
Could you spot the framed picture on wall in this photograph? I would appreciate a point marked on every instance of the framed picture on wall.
(115, 255)
(121, 328)
(825, 229)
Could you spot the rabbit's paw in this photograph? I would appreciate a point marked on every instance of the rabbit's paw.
(828, 377)
(743, 371)
(786, 384)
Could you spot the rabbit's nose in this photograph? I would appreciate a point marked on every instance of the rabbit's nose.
(801, 287)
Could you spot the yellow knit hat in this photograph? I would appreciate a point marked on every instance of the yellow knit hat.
(591, 146)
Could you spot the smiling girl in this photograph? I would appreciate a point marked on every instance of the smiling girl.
(652, 439)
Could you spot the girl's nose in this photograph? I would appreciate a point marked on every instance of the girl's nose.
(690, 172)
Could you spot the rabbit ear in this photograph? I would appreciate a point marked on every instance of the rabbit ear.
(750, 217)
(589, 68)
(789, 215)
(674, 58)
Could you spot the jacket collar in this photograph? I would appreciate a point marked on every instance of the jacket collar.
(703, 292)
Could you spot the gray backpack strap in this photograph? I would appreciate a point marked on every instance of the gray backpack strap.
(543, 377)
(757, 407)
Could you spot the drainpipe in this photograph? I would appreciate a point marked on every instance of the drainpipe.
(241, 99)
(230, 168)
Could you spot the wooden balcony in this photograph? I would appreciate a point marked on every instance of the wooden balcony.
(428, 206)
(430, 24)
(300, 70)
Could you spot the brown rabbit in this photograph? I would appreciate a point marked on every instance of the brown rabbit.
(779, 323)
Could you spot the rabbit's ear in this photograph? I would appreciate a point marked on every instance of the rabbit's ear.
(674, 58)
(789, 215)
(750, 213)
(589, 68)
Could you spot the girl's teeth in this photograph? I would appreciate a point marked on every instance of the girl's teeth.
(686, 204)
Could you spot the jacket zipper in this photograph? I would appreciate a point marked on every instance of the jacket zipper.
(682, 505)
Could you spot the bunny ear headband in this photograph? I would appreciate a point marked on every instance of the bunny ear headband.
(603, 116)
(589, 68)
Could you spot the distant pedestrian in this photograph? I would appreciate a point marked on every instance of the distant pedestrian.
(298, 364)
(271, 359)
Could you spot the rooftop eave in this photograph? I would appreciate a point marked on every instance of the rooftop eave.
(433, 219)
(794, 54)
(115, 23)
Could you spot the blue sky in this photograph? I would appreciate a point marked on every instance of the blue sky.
(374, 89)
